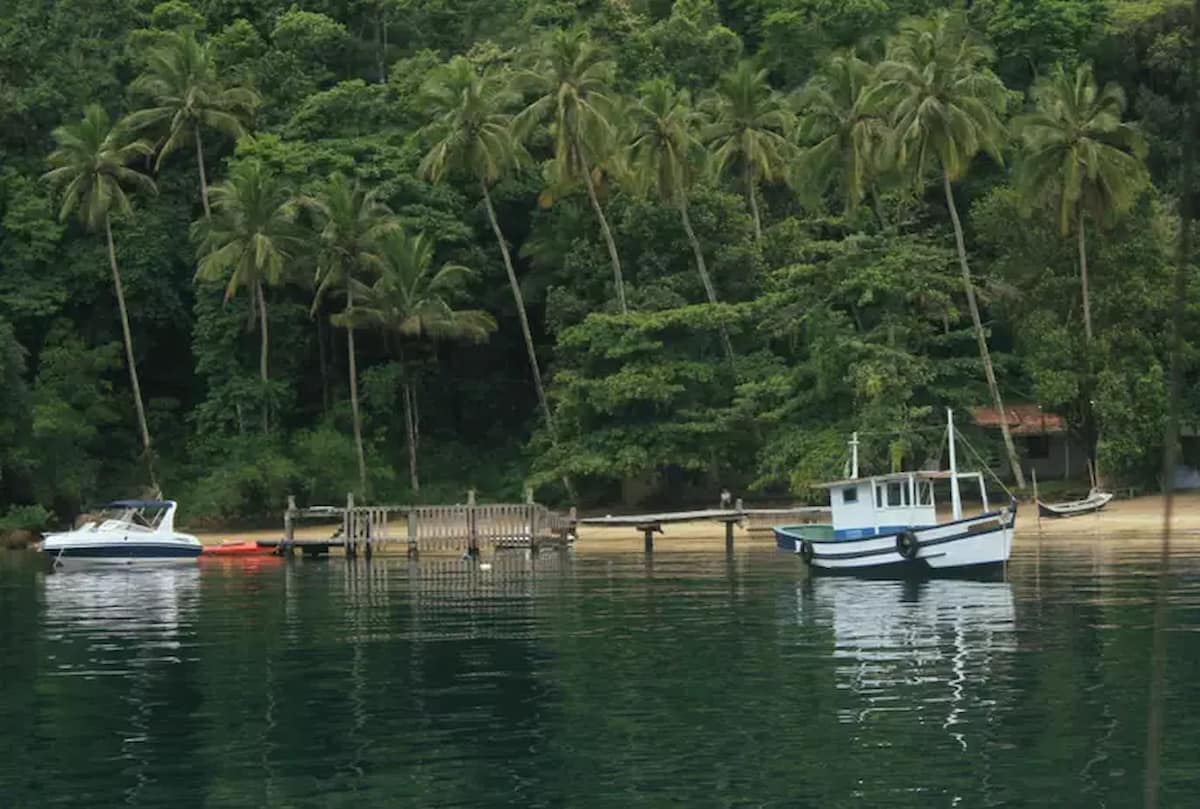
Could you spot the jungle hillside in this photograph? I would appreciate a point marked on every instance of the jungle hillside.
(617, 251)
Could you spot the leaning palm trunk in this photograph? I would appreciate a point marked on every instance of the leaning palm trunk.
(618, 277)
(984, 354)
(263, 353)
(203, 176)
(1083, 282)
(753, 198)
(1087, 333)
(702, 268)
(519, 300)
(410, 423)
(133, 374)
(354, 413)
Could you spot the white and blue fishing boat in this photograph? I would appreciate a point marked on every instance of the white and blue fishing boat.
(125, 531)
(888, 524)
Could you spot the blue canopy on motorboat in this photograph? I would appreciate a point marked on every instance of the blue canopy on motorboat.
(140, 504)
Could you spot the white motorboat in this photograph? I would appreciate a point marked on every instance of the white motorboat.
(888, 524)
(126, 531)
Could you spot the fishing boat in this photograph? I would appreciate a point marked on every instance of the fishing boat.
(1095, 501)
(125, 531)
(888, 524)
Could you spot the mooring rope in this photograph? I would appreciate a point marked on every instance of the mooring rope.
(984, 464)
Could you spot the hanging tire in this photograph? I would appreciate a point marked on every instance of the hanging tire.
(907, 544)
(806, 551)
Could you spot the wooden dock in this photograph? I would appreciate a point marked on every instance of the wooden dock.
(465, 528)
(753, 519)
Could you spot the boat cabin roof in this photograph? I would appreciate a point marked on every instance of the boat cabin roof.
(139, 504)
(923, 475)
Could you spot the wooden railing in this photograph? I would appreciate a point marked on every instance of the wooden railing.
(467, 527)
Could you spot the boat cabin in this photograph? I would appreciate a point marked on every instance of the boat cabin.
(884, 504)
(154, 516)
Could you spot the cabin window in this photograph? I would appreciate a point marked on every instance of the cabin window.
(850, 494)
(925, 493)
(1037, 447)
(879, 496)
(895, 494)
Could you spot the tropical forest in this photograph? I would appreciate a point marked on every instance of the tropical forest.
(610, 251)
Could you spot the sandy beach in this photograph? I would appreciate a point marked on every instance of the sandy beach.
(1140, 517)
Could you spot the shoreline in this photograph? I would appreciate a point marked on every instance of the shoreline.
(1142, 516)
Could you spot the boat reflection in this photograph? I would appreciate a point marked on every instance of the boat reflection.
(149, 604)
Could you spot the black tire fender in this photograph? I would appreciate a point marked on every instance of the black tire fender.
(907, 544)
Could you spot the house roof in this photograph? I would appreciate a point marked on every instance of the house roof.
(1023, 419)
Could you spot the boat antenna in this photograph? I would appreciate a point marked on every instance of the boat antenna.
(955, 497)
(854, 455)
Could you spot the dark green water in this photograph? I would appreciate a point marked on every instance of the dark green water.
(595, 681)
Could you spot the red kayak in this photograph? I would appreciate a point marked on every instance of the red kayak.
(237, 549)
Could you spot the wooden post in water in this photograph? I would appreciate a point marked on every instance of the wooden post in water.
(412, 535)
(532, 511)
(1037, 500)
(351, 529)
(289, 527)
(472, 528)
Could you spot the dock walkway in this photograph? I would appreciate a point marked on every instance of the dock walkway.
(651, 524)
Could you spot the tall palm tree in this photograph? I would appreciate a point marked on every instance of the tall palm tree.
(351, 221)
(1078, 148)
(572, 82)
(749, 131)
(943, 106)
(248, 243)
(186, 96)
(843, 135)
(665, 153)
(471, 133)
(91, 163)
(414, 301)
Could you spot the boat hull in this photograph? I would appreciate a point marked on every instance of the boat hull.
(118, 553)
(972, 544)
(1075, 509)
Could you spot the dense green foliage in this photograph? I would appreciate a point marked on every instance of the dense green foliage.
(706, 239)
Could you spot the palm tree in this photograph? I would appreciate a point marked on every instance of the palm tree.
(472, 134)
(844, 136)
(571, 82)
(182, 85)
(943, 106)
(413, 301)
(664, 153)
(248, 242)
(749, 129)
(1078, 148)
(91, 162)
(351, 222)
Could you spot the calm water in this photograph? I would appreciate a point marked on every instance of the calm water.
(594, 681)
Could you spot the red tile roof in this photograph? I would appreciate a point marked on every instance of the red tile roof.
(1023, 419)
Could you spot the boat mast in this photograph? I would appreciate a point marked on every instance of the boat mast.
(955, 499)
(854, 456)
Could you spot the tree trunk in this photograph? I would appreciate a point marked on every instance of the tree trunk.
(519, 300)
(355, 416)
(604, 229)
(1093, 432)
(753, 198)
(984, 354)
(323, 365)
(410, 424)
(263, 353)
(203, 175)
(877, 206)
(129, 359)
(702, 268)
(380, 43)
(1083, 283)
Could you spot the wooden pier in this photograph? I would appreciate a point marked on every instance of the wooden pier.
(754, 519)
(464, 528)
